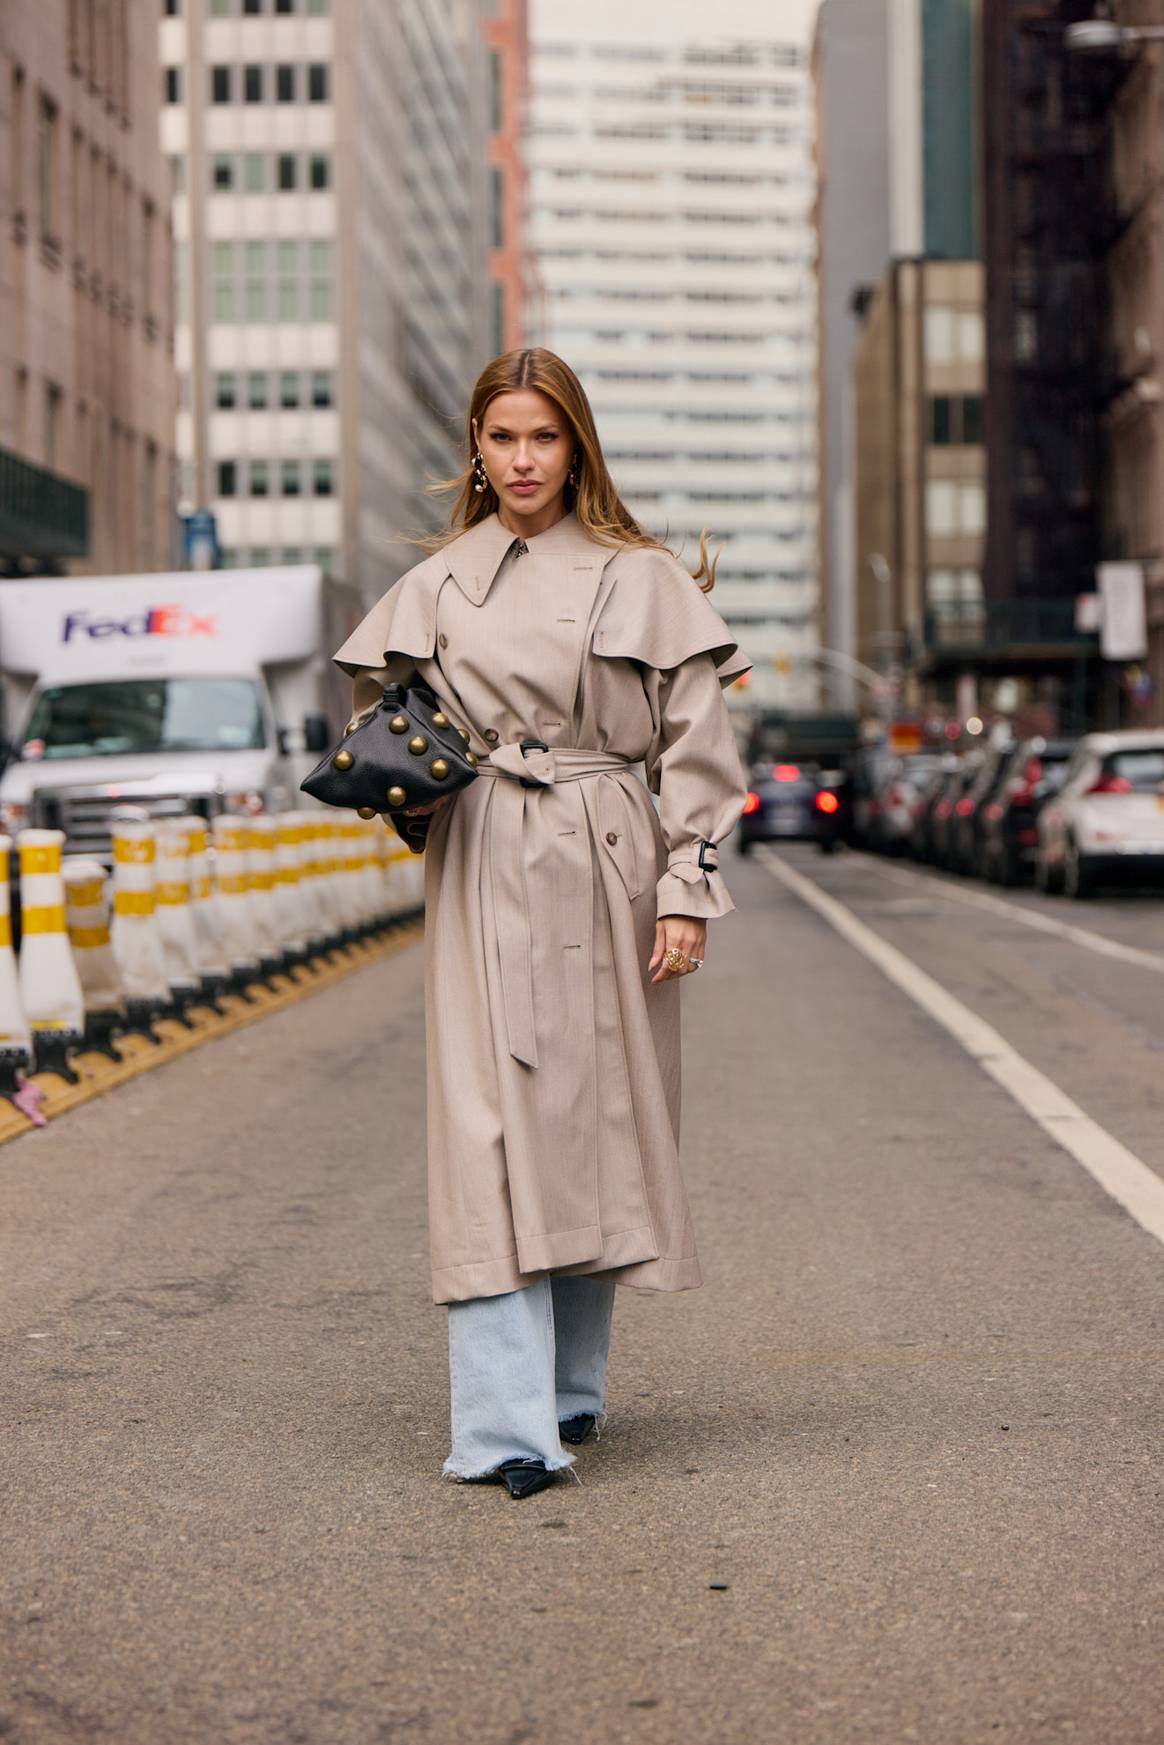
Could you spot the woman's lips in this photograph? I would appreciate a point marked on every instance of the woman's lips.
(527, 487)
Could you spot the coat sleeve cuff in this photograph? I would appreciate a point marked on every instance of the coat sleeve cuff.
(686, 888)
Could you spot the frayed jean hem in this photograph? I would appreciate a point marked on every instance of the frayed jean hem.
(449, 1470)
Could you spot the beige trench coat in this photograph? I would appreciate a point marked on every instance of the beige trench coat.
(553, 1063)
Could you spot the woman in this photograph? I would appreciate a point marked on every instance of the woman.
(562, 913)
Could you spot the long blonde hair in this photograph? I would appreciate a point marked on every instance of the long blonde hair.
(594, 498)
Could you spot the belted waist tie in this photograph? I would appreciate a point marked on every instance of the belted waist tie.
(542, 767)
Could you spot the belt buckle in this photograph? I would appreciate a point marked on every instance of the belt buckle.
(531, 745)
(711, 865)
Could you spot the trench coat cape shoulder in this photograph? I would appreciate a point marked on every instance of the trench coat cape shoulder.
(553, 1065)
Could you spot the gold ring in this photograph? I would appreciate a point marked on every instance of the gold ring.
(676, 959)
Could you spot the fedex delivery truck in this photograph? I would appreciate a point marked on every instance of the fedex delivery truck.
(203, 691)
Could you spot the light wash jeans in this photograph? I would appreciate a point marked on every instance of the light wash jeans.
(521, 1363)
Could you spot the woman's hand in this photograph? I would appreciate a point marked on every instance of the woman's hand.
(683, 931)
(434, 806)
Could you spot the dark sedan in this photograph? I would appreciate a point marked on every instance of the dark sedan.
(1010, 822)
(795, 802)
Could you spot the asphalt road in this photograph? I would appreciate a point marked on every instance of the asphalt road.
(894, 1474)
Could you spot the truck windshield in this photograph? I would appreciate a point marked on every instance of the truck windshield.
(135, 716)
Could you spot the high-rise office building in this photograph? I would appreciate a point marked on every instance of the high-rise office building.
(669, 160)
(895, 85)
(86, 333)
(330, 225)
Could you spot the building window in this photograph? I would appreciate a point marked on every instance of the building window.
(227, 478)
(496, 91)
(290, 478)
(318, 8)
(226, 390)
(173, 8)
(52, 425)
(284, 84)
(253, 84)
(322, 388)
(320, 171)
(252, 8)
(48, 173)
(941, 419)
(317, 83)
(173, 85)
(220, 83)
(221, 8)
(289, 390)
(322, 478)
(222, 172)
(287, 175)
(255, 172)
(284, 7)
(258, 396)
(972, 421)
(497, 291)
(260, 478)
(497, 207)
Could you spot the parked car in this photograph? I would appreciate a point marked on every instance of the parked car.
(966, 825)
(795, 802)
(921, 835)
(952, 802)
(1106, 823)
(870, 767)
(1010, 832)
(903, 783)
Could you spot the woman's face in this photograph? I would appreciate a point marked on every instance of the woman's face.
(527, 446)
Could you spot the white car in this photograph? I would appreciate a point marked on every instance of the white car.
(1106, 823)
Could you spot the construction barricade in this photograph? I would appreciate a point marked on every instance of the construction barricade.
(15, 1038)
(50, 989)
(87, 914)
(232, 885)
(137, 936)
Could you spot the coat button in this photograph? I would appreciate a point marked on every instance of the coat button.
(492, 735)
(443, 640)
(612, 837)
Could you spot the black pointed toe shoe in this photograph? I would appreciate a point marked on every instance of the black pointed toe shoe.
(577, 1429)
(522, 1478)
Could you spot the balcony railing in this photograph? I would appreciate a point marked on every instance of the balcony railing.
(996, 625)
(41, 514)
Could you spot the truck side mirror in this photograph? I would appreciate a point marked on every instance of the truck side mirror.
(316, 733)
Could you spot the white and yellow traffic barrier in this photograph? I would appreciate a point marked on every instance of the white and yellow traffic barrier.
(176, 914)
(290, 905)
(264, 903)
(232, 884)
(209, 956)
(329, 877)
(50, 989)
(349, 858)
(310, 896)
(137, 937)
(87, 914)
(15, 1037)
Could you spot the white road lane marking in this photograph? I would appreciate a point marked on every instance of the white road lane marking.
(1138, 1189)
(1153, 960)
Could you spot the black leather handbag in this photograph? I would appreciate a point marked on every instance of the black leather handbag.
(407, 753)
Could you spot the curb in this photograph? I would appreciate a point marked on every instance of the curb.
(98, 1074)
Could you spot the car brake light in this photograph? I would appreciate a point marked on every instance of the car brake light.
(786, 772)
(942, 809)
(752, 803)
(827, 802)
(993, 811)
(1109, 784)
(964, 807)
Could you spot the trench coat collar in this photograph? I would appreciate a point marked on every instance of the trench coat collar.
(475, 558)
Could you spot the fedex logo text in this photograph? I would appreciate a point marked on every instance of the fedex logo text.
(154, 621)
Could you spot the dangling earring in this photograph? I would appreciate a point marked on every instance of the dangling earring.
(479, 472)
(575, 472)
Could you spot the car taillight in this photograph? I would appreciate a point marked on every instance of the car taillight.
(964, 807)
(1109, 784)
(993, 811)
(942, 809)
(827, 802)
(786, 772)
(893, 796)
(1020, 790)
(752, 803)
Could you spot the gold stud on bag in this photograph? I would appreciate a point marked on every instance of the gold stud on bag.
(374, 760)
